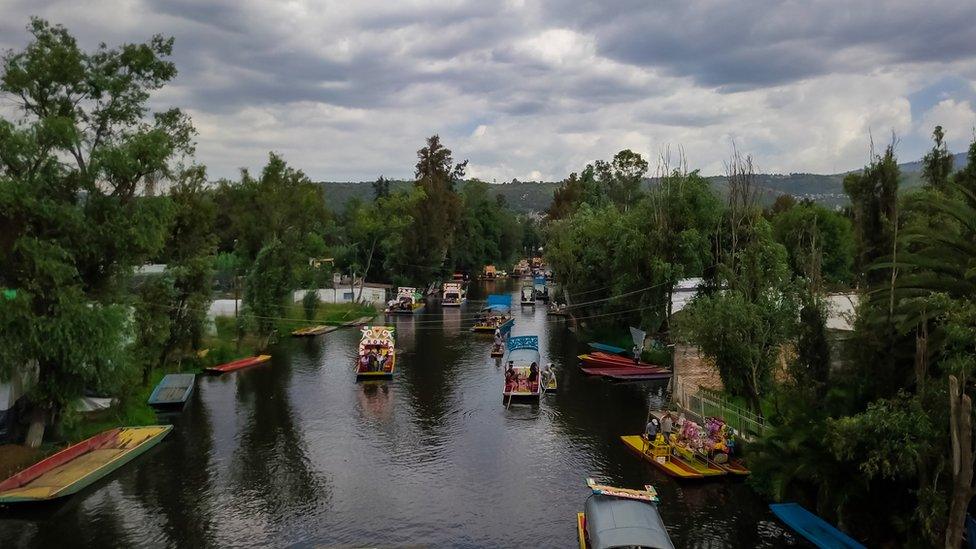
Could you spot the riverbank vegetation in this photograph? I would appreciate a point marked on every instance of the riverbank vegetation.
(872, 428)
(95, 184)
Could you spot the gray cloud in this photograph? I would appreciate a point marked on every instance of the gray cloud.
(349, 89)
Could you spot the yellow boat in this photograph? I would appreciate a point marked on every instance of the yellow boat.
(80, 465)
(661, 455)
(698, 462)
(311, 331)
(378, 347)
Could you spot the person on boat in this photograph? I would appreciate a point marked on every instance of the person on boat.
(381, 360)
(667, 423)
(547, 375)
(651, 430)
(498, 338)
(364, 362)
(533, 376)
(511, 377)
(637, 355)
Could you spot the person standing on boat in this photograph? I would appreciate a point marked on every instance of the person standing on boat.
(533, 377)
(650, 431)
(636, 352)
(667, 423)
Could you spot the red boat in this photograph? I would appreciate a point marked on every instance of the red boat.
(607, 360)
(238, 364)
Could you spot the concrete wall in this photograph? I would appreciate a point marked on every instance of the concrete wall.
(223, 307)
(374, 296)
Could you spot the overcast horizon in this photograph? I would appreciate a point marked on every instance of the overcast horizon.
(535, 90)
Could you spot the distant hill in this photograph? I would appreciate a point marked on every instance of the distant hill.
(535, 196)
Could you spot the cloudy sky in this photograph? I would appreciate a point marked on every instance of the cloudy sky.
(348, 90)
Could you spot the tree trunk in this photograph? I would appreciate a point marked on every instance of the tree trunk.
(35, 433)
(961, 431)
(369, 260)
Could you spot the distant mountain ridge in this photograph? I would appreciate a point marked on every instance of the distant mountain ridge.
(535, 196)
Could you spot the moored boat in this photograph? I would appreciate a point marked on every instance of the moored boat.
(312, 331)
(496, 315)
(608, 348)
(815, 529)
(453, 294)
(621, 517)
(659, 453)
(522, 374)
(377, 353)
(541, 290)
(78, 466)
(601, 359)
(238, 364)
(549, 384)
(408, 301)
(172, 391)
(528, 295)
(489, 273)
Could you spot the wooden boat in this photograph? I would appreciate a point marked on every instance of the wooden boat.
(606, 360)
(541, 290)
(698, 462)
(628, 374)
(408, 301)
(172, 391)
(78, 466)
(453, 294)
(528, 296)
(238, 364)
(550, 385)
(735, 467)
(555, 309)
(608, 348)
(621, 517)
(497, 351)
(660, 455)
(815, 529)
(311, 331)
(523, 352)
(378, 346)
(489, 273)
(496, 316)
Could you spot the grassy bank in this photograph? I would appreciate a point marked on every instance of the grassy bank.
(325, 313)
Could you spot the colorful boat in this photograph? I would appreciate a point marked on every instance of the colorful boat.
(313, 331)
(628, 374)
(172, 391)
(496, 316)
(815, 529)
(497, 350)
(528, 295)
(522, 370)
(408, 301)
(549, 385)
(541, 290)
(621, 517)
(601, 359)
(377, 353)
(453, 294)
(238, 364)
(698, 462)
(78, 466)
(608, 348)
(489, 273)
(711, 444)
(660, 455)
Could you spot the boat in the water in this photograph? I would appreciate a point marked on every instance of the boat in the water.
(557, 309)
(489, 273)
(238, 364)
(608, 348)
(601, 359)
(453, 294)
(621, 517)
(311, 331)
(549, 384)
(660, 454)
(172, 391)
(497, 315)
(815, 529)
(78, 466)
(408, 301)
(711, 444)
(522, 370)
(528, 295)
(541, 289)
(377, 353)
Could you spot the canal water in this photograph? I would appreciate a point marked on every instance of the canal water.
(297, 453)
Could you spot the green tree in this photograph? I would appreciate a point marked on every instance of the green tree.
(269, 285)
(874, 204)
(937, 163)
(820, 242)
(381, 188)
(73, 222)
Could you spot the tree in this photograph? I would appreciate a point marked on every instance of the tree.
(437, 214)
(874, 202)
(937, 163)
(819, 242)
(269, 283)
(73, 223)
(628, 170)
(381, 188)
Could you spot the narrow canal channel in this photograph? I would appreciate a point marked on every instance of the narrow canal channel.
(298, 453)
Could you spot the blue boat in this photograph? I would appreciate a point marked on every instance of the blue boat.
(496, 316)
(815, 529)
(608, 348)
(522, 355)
(173, 391)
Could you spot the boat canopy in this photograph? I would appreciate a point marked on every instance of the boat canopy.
(616, 522)
(376, 336)
(498, 302)
(524, 350)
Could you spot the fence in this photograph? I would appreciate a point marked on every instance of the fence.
(704, 403)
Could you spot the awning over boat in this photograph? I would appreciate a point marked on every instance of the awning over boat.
(616, 522)
(497, 302)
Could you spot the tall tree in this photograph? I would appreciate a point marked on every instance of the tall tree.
(874, 203)
(73, 224)
(937, 163)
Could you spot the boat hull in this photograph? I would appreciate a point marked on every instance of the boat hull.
(172, 391)
(80, 465)
(671, 465)
(239, 364)
(504, 327)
